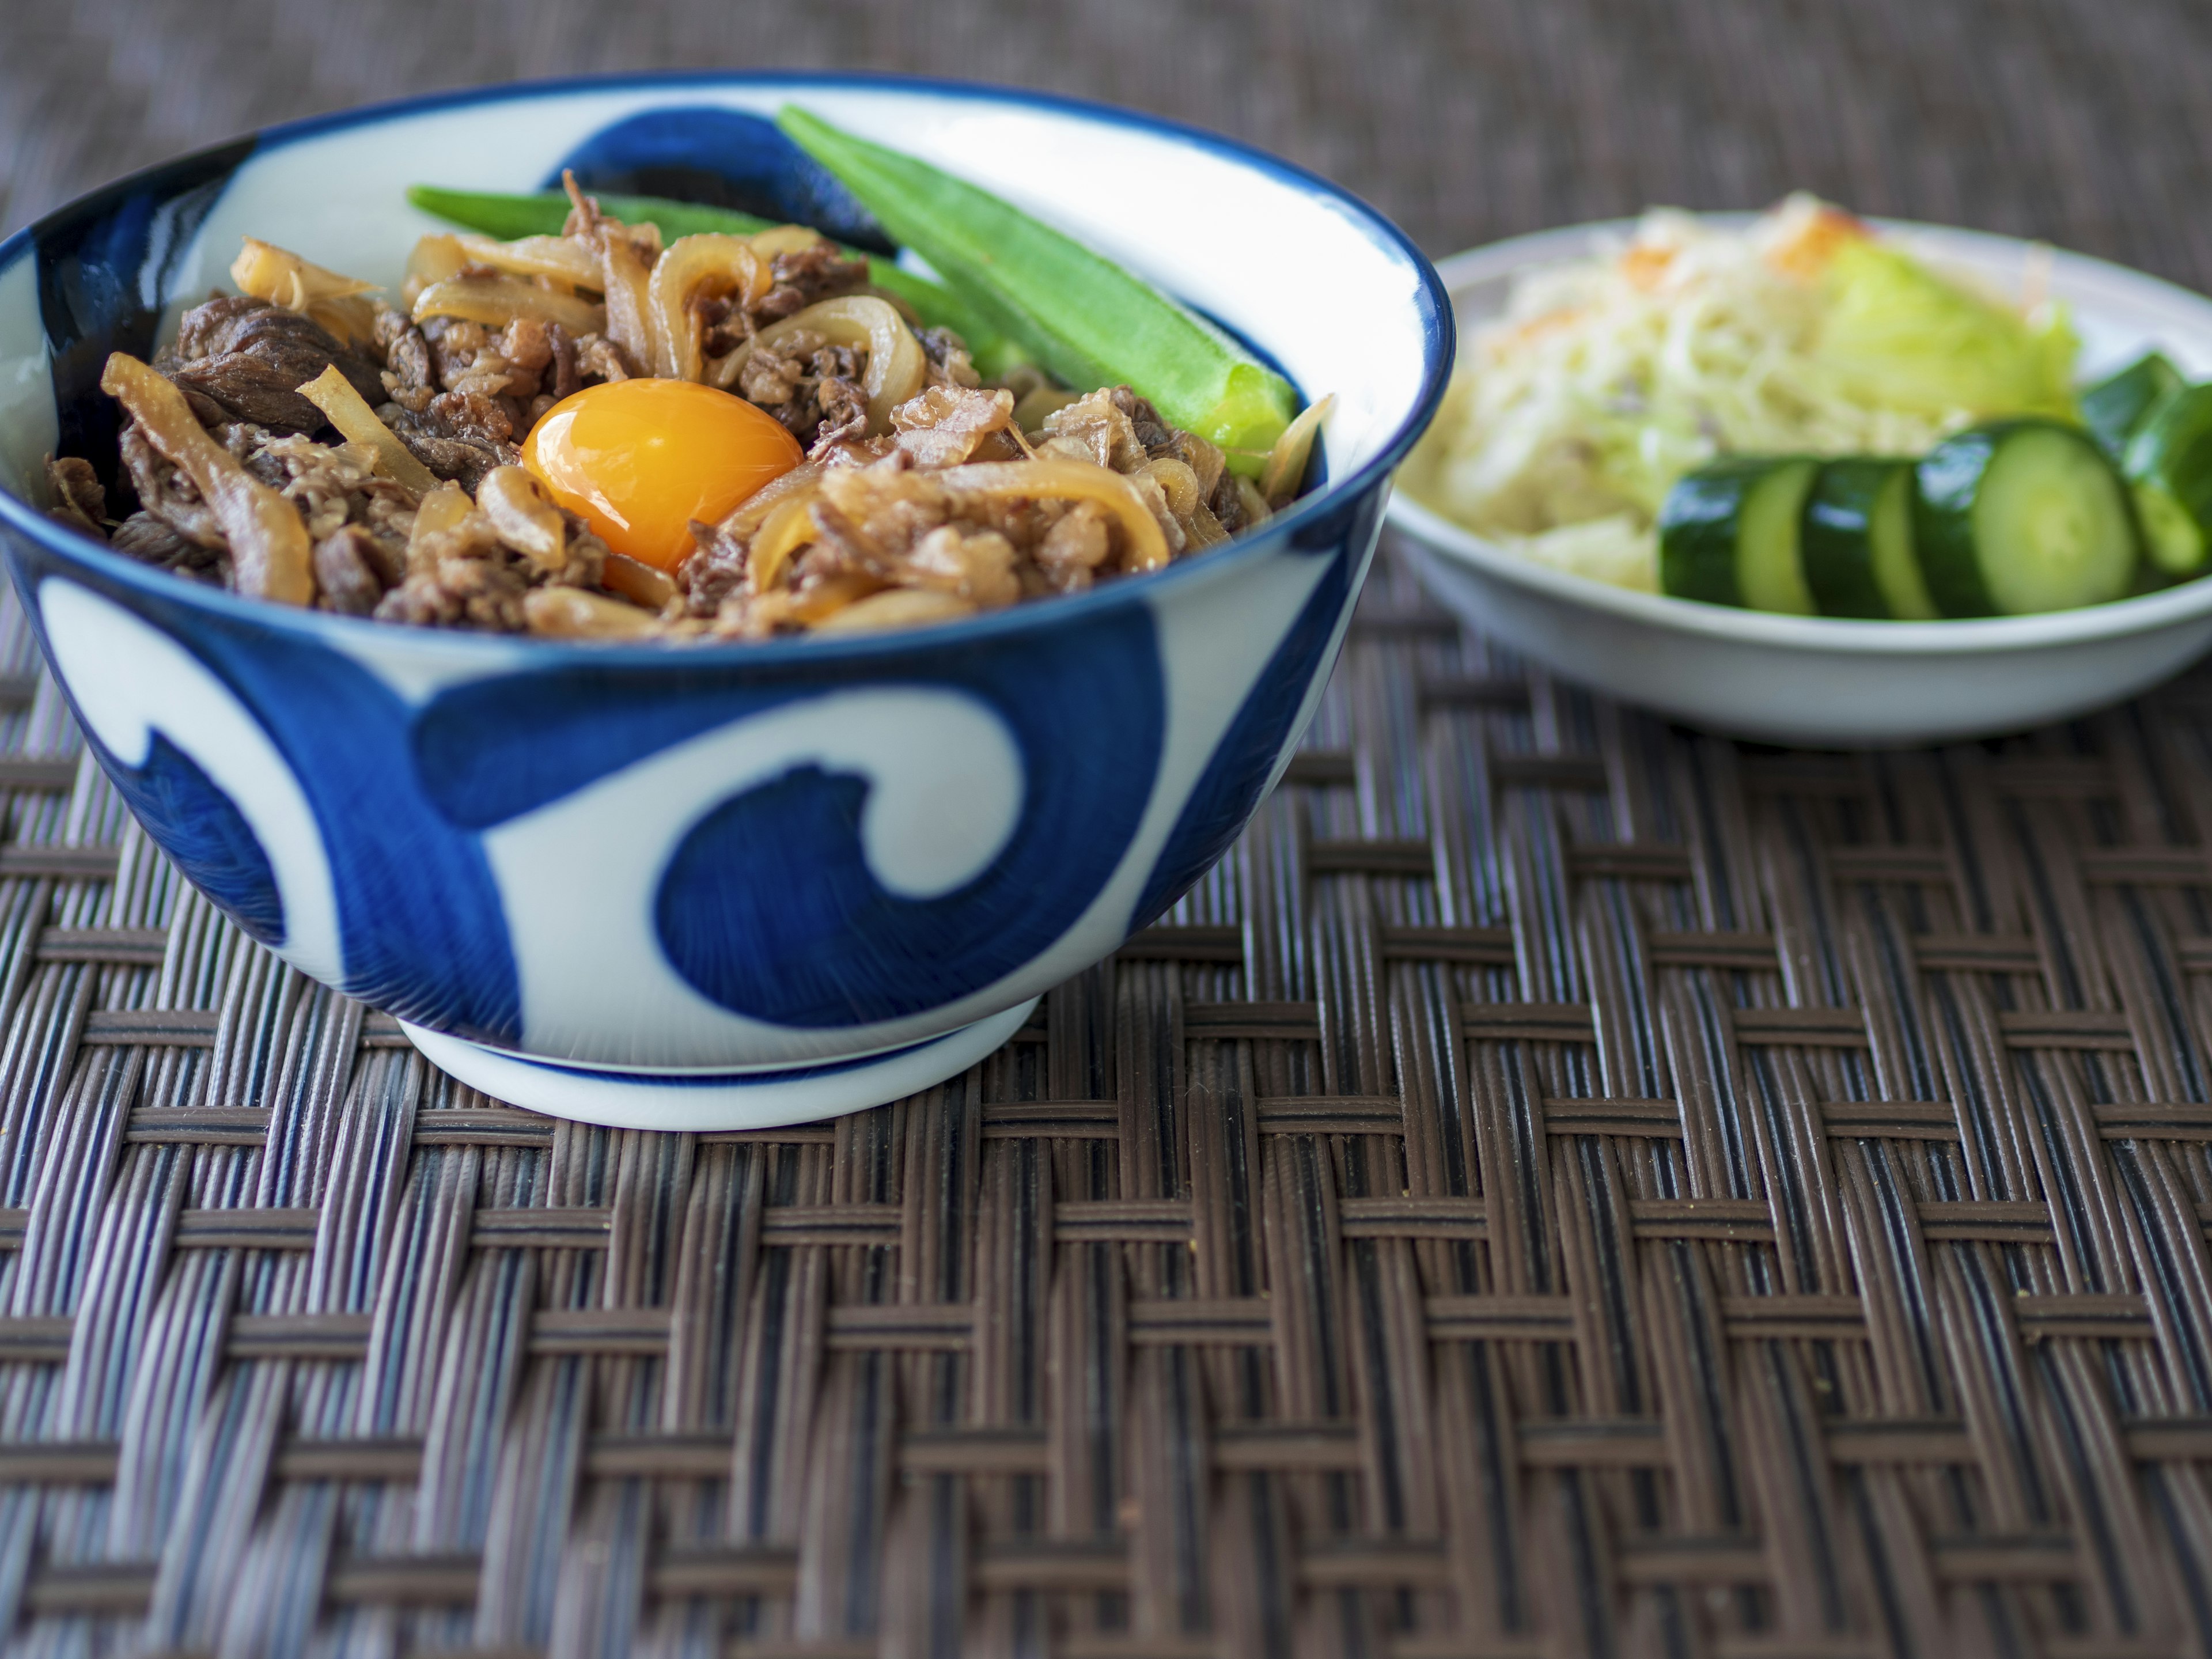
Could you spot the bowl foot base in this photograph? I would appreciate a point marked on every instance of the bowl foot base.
(644, 1098)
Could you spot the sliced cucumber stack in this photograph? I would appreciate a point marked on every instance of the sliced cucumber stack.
(1857, 541)
(1729, 534)
(2021, 516)
(2169, 467)
(2121, 405)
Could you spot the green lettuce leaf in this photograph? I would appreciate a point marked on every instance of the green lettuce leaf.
(1898, 335)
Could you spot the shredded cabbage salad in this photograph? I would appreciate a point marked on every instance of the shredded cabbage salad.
(1609, 377)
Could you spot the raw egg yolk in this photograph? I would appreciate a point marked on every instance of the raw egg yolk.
(639, 460)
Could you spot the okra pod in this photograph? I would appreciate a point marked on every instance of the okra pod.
(1085, 319)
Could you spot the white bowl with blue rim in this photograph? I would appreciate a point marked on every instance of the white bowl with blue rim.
(735, 886)
(1825, 680)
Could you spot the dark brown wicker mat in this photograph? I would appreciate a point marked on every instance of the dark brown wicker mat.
(1562, 1186)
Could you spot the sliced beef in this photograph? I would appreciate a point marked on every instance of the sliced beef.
(464, 574)
(527, 346)
(408, 378)
(1227, 502)
(247, 387)
(713, 571)
(949, 361)
(815, 389)
(844, 408)
(873, 516)
(771, 376)
(353, 569)
(485, 594)
(1206, 462)
(976, 565)
(79, 498)
(166, 494)
(598, 358)
(208, 412)
(562, 378)
(724, 324)
(1155, 434)
(1074, 548)
(146, 538)
(465, 460)
(806, 276)
(249, 357)
(475, 417)
(458, 396)
(332, 487)
(455, 344)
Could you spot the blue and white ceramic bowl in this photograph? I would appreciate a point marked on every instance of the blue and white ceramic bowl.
(726, 887)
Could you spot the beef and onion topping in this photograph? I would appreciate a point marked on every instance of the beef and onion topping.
(598, 431)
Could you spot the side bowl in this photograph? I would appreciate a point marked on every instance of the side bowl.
(723, 887)
(1817, 680)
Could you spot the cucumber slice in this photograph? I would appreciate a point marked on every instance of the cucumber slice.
(1729, 534)
(2168, 465)
(1858, 552)
(2121, 405)
(2021, 516)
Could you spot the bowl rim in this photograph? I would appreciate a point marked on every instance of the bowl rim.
(1439, 340)
(2187, 602)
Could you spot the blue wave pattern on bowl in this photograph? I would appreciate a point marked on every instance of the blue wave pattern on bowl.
(416, 915)
(1254, 750)
(818, 851)
(181, 807)
(698, 153)
(769, 906)
(101, 279)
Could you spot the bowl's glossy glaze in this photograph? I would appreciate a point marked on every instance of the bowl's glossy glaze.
(1821, 680)
(685, 887)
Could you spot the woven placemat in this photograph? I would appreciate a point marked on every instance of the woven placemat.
(1561, 1186)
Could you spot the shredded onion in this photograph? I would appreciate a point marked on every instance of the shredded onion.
(348, 412)
(784, 530)
(1029, 413)
(896, 365)
(784, 238)
(719, 263)
(269, 552)
(1203, 529)
(433, 259)
(1055, 477)
(565, 258)
(895, 607)
(517, 506)
(1286, 461)
(282, 277)
(750, 514)
(626, 280)
(498, 301)
(641, 584)
(1177, 482)
(441, 512)
(570, 613)
(826, 599)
